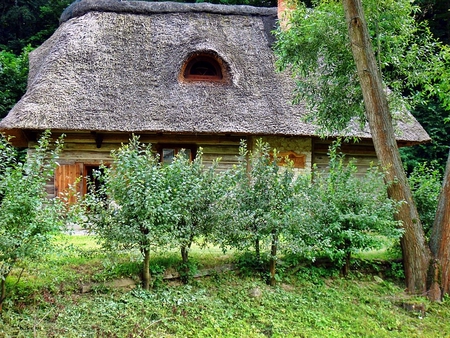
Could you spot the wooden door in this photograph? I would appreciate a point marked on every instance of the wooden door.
(67, 176)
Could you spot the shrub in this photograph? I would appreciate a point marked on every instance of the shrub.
(426, 182)
(349, 213)
(193, 190)
(261, 203)
(130, 208)
(28, 218)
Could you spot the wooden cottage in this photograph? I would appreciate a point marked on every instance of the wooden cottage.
(179, 75)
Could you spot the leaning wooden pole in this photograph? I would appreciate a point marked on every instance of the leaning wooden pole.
(440, 239)
(416, 254)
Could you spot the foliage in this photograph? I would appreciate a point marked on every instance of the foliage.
(130, 209)
(425, 182)
(315, 304)
(28, 218)
(13, 78)
(193, 190)
(442, 77)
(350, 213)
(262, 203)
(315, 49)
(49, 13)
(143, 204)
(413, 65)
(431, 117)
(126, 209)
(24, 22)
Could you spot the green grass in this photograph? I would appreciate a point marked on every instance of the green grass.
(310, 302)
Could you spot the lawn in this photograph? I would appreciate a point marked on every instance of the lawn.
(307, 302)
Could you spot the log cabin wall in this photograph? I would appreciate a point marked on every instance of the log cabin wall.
(362, 152)
(84, 152)
(297, 149)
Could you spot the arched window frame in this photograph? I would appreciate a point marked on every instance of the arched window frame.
(221, 74)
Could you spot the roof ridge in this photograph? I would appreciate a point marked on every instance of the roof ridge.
(81, 7)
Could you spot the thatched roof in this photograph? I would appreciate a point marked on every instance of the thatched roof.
(115, 66)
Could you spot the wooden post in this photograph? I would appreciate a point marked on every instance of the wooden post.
(416, 254)
(440, 238)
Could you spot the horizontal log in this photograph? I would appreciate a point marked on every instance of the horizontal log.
(118, 138)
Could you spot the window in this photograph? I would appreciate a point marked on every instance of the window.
(168, 152)
(204, 66)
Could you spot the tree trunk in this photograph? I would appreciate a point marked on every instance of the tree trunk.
(273, 259)
(257, 250)
(346, 266)
(416, 254)
(440, 240)
(146, 277)
(184, 272)
(2, 293)
(184, 254)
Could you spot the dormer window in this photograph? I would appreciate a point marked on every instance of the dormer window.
(205, 67)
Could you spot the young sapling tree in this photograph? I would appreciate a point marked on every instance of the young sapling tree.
(350, 213)
(131, 206)
(261, 204)
(193, 190)
(28, 217)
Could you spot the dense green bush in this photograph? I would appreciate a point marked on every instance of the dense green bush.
(130, 208)
(349, 213)
(259, 205)
(426, 182)
(193, 190)
(27, 217)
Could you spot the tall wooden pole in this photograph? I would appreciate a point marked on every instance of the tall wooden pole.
(440, 237)
(416, 253)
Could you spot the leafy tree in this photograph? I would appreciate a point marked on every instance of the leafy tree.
(13, 79)
(425, 181)
(261, 205)
(28, 218)
(131, 207)
(316, 49)
(422, 273)
(349, 213)
(193, 191)
(28, 22)
(410, 58)
(431, 114)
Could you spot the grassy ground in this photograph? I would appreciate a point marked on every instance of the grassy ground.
(308, 302)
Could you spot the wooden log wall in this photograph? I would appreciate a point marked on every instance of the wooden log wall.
(362, 152)
(83, 151)
(86, 150)
(298, 149)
